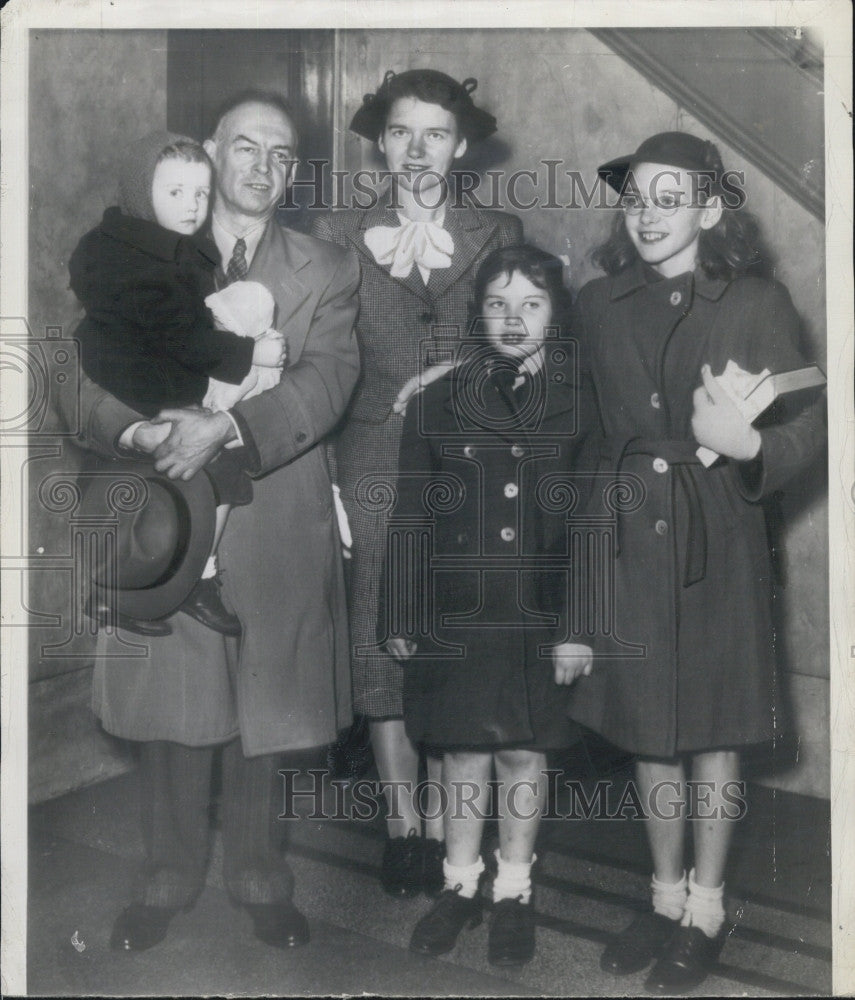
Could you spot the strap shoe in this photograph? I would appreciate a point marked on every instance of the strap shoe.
(437, 932)
(685, 963)
(205, 605)
(635, 947)
(511, 940)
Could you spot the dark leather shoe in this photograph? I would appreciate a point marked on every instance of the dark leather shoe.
(205, 605)
(685, 963)
(280, 925)
(635, 947)
(402, 872)
(350, 757)
(139, 927)
(104, 615)
(433, 878)
(511, 940)
(436, 933)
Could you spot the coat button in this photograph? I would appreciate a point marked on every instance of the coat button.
(511, 490)
(427, 317)
(655, 401)
(661, 528)
(676, 298)
(300, 437)
(469, 451)
(517, 450)
(462, 538)
(508, 534)
(660, 465)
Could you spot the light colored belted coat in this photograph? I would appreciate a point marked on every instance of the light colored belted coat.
(286, 683)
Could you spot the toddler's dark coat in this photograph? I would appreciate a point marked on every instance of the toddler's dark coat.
(147, 337)
(473, 471)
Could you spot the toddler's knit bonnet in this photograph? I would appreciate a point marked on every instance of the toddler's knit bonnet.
(137, 171)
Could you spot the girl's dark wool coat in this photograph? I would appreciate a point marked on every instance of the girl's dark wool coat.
(693, 575)
(399, 318)
(471, 467)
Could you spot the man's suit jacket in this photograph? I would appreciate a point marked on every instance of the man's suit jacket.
(286, 683)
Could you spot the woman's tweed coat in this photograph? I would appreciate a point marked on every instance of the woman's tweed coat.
(693, 577)
(398, 320)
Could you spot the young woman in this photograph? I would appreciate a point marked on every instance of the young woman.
(477, 452)
(693, 574)
(419, 252)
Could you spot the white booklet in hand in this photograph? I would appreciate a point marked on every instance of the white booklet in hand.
(752, 394)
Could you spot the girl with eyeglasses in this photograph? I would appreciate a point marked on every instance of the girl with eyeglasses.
(693, 573)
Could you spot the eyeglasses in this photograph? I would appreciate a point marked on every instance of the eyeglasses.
(665, 204)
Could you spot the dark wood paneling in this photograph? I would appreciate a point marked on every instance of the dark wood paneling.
(205, 67)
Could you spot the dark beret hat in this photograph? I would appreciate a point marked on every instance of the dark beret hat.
(676, 149)
(427, 85)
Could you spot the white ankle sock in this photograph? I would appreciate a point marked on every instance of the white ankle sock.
(513, 879)
(464, 876)
(704, 907)
(210, 569)
(669, 898)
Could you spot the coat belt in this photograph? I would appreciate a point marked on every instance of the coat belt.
(681, 455)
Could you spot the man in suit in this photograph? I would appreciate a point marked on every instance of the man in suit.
(287, 685)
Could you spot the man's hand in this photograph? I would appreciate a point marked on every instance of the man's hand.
(195, 438)
(572, 660)
(147, 436)
(400, 649)
(718, 425)
(416, 384)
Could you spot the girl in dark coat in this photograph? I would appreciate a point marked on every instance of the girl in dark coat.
(418, 252)
(468, 539)
(693, 677)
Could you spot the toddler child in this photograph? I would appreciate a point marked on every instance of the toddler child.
(143, 276)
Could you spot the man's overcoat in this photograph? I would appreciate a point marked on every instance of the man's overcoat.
(286, 683)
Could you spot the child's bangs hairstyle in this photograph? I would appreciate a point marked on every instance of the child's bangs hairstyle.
(186, 150)
(732, 248)
(542, 269)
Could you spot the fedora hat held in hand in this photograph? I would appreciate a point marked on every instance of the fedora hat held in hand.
(164, 529)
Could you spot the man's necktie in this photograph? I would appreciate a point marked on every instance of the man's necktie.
(238, 267)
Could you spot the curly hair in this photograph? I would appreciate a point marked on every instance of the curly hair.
(734, 247)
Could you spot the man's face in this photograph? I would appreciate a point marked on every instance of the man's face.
(253, 153)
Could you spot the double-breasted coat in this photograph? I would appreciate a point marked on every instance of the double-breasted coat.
(693, 574)
(477, 553)
(399, 319)
(286, 683)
